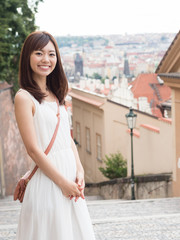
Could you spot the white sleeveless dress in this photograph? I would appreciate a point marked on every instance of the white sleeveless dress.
(46, 214)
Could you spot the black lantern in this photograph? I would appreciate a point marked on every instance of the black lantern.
(131, 122)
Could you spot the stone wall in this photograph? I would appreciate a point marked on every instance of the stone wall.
(149, 186)
(14, 161)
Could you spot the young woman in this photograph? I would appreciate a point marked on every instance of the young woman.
(53, 207)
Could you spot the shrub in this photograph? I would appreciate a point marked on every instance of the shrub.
(116, 166)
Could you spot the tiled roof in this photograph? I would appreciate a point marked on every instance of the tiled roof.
(147, 85)
(165, 92)
(170, 75)
(86, 99)
(156, 112)
(95, 65)
(141, 87)
(105, 91)
(109, 46)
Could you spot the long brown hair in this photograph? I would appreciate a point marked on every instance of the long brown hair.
(56, 81)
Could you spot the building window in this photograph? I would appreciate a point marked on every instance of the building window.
(88, 140)
(78, 134)
(98, 147)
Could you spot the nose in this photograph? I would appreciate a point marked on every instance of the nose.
(45, 58)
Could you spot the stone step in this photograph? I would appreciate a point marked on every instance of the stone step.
(95, 197)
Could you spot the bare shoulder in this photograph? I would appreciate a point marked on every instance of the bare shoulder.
(21, 95)
(22, 99)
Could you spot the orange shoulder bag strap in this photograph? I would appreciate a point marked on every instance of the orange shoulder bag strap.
(51, 142)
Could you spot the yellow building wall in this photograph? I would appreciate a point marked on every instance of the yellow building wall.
(92, 118)
(152, 149)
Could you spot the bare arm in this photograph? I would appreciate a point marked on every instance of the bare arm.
(24, 108)
(80, 171)
(78, 162)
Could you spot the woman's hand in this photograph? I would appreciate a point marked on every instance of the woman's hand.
(81, 184)
(70, 189)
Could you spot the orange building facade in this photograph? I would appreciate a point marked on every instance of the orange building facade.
(169, 71)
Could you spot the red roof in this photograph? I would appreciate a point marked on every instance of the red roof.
(109, 46)
(141, 87)
(132, 68)
(165, 92)
(156, 112)
(105, 91)
(147, 85)
(112, 64)
(95, 65)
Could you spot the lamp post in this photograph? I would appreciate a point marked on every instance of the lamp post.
(131, 121)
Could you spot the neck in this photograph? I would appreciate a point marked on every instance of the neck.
(42, 84)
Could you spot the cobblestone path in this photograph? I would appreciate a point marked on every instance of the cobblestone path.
(155, 219)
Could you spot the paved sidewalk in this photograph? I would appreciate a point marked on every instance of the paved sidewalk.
(155, 219)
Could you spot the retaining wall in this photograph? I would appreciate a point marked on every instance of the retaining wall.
(149, 186)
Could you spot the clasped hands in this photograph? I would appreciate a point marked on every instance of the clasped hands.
(74, 189)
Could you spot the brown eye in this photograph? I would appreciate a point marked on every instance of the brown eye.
(52, 54)
(38, 53)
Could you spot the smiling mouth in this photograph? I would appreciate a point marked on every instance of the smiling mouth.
(44, 67)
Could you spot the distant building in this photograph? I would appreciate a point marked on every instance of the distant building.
(122, 94)
(146, 93)
(78, 61)
(126, 71)
(91, 68)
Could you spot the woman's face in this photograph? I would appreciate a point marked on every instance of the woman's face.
(43, 61)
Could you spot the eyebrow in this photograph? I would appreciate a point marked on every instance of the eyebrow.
(43, 50)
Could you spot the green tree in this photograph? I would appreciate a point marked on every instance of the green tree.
(116, 166)
(96, 76)
(114, 77)
(103, 80)
(17, 20)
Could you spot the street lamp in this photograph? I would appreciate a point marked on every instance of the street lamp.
(131, 121)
